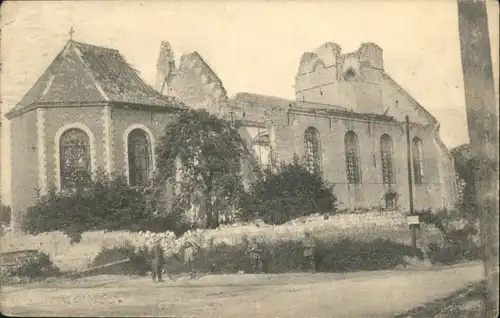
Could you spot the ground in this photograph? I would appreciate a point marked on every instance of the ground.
(362, 294)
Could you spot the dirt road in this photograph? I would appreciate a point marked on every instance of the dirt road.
(364, 294)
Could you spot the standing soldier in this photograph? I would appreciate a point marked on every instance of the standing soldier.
(157, 262)
(309, 251)
(255, 256)
(189, 251)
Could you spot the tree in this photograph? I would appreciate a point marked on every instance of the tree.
(206, 152)
(482, 119)
(290, 192)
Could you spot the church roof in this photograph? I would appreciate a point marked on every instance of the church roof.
(251, 100)
(256, 101)
(84, 74)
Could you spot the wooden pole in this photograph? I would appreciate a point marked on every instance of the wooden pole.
(482, 119)
(413, 227)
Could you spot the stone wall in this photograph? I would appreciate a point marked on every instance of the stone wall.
(24, 164)
(59, 120)
(124, 121)
(290, 140)
(351, 80)
(363, 226)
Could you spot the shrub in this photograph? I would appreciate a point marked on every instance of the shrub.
(5, 215)
(346, 255)
(458, 233)
(281, 256)
(465, 166)
(28, 265)
(106, 203)
(291, 192)
(138, 264)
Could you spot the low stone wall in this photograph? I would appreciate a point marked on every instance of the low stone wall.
(370, 225)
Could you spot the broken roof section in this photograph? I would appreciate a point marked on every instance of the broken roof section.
(84, 74)
(258, 101)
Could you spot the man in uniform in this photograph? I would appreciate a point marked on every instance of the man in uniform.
(157, 262)
(189, 251)
(255, 256)
(309, 251)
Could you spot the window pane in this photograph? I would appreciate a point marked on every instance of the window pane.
(352, 158)
(139, 157)
(418, 164)
(386, 158)
(74, 158)
(312, 150)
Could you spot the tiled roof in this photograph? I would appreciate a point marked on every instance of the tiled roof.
(251, 100)
(346, 114)
(86, 74)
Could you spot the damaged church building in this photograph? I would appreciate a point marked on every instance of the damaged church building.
(91, 110)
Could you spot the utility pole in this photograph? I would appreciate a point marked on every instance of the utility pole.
(413, 227)
(482, 120)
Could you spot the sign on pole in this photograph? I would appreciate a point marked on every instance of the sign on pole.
(413, 219)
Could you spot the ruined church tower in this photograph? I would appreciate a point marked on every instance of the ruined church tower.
(193, 81)
(352, 80)
(165, 68)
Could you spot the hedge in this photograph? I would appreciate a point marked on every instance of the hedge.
(346, 255)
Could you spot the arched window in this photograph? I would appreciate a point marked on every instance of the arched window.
(418, 160)
(74, 150)
(349, 75)
(139, 157)
(261, 146)
(386, 156)
(318, 66)
(312, 150)
(352, 158)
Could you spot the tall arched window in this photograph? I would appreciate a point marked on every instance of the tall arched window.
(261, 146)
(386, 156)
(74, 150)
(139, 157)
(312, 150)
(352, 158)
(418, 160)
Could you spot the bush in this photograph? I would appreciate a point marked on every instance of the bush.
(459, 241)
(293, 191)
(346, 255)
(138, 264)
(106, 203)
(5, 215)
(459, 247)
(28, 265)
(282, 256)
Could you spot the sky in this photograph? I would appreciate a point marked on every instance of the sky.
(253, 46)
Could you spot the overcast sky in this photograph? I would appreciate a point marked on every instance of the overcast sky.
(253, 46)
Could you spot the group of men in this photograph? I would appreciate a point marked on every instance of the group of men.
(309, 244)
(253, 250)
(158, 261)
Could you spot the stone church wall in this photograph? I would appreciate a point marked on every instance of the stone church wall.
(61, 119)
(124, 121)
(290, 140)
(24, 167)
